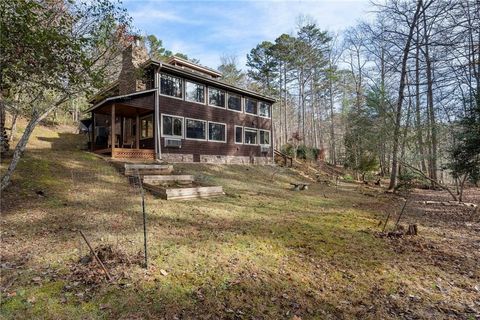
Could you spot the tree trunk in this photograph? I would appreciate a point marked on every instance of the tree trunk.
(22, 143)
(280, 114)
(398, 118)
(431, 111)
(333, 157)
(314, 121)
(407, 123)
(285, 102)
(13, 129)
(462, 185)
(4, 141)
(418, 121)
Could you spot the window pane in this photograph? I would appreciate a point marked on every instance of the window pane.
(250, 137)
(150, 128)
(195, 129)
(234, 102)
(167, 125)
(177, 127)
(250, 106)
(264, 137)
(216, 97)
(170, 85)
(146, 127)
(194, 92)
(238, 134)
(216, 132)
(264, 109)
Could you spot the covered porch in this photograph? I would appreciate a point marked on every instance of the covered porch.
(123, 131)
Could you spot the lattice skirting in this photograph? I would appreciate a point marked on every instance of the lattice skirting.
(133, 153)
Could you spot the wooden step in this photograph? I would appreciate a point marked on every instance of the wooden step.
(184, 193)
(165, 179)
(147, 169)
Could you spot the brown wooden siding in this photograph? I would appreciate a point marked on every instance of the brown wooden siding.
(146, 101)
(186, 109)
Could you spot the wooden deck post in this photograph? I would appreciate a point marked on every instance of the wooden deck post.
(112, 130)
(137, 132)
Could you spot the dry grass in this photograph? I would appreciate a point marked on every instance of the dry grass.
(260, 252)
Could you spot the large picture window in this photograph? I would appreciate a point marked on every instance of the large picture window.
(194, 92)
(216, 97)
(234, 102)
(172, 126)
(195, 129)
(250, 136)
(171, 85)
(250, 106)
(146, 127)
(238, 134)
(217, 132)
(264, 137)
(264, 109)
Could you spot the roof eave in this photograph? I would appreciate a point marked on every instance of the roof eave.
(109, 99)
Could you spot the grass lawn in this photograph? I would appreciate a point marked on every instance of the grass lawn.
(259, 252)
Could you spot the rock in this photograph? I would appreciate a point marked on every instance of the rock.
(163, 272)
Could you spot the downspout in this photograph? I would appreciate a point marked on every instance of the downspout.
(272, 134)
(158, 141)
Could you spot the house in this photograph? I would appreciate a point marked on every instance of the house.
(178, 111)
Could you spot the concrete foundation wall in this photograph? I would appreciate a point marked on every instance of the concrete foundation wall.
(219, 159)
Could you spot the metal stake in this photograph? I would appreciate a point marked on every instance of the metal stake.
(144, 227)
(144, 218)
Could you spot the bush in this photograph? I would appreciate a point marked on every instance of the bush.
(307, 153)
(288, 149)
(303, 152)
(408, 179)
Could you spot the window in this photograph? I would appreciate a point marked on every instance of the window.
(264, 137)
(250, 136)
(216, 97)
(172, 126)
(170, 85)
(195, 129)
(238, 134)
(146, 127)
(194, 92)
(264, 109)
(250, 106)
(234, 102)
(217, 132)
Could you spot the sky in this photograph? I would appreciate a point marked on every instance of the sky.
(206, 30)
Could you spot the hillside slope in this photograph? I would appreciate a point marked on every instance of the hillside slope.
(261, 251)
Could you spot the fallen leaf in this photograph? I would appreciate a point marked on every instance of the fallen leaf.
(163, 272)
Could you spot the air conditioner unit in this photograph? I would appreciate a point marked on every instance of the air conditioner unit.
(173, 143)
(264, 148)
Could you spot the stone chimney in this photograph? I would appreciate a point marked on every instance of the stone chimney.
(131, 76)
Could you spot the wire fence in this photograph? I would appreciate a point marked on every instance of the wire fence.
(111, 209)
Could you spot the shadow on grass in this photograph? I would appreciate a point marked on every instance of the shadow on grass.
(262, 252)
